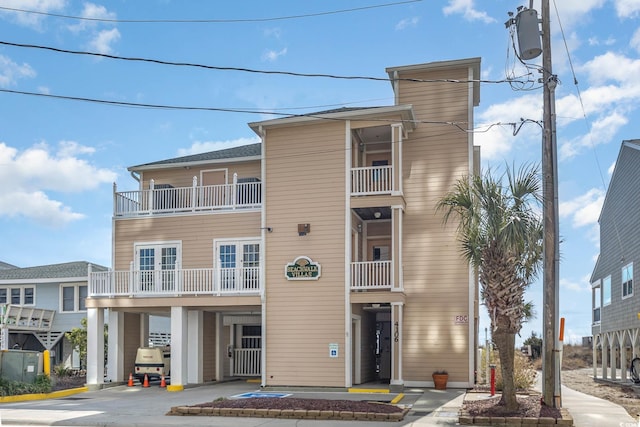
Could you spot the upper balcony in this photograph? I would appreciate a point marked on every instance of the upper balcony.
(165, 199)
(371, 180)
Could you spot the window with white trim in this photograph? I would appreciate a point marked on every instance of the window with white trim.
(596, 299)
(238, 264)
(18, 295)
(606, 291)
(627, 280)
(72, 298)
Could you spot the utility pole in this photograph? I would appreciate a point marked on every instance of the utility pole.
(550, 281)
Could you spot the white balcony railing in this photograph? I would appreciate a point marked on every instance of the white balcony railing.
(198, 281)
(372, 180)
(371, 275)
(166, 199)
(246, 362)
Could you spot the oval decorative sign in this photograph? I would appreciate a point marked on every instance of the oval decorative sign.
(302, 268)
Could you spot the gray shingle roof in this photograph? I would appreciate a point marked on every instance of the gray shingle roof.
(52, 271)
(6, 265)
(250, 150)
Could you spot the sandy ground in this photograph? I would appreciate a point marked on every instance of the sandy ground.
(626, 395)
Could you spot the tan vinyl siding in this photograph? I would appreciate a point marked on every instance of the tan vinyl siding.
(181, 177)
(306, 184)
(436, 279)
(209, 347)
(196, 232)
(131, 341)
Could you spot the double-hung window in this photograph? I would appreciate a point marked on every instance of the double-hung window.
(72, 298)
(596, 301)
(18, 295)
(606, 291)
(627, 280)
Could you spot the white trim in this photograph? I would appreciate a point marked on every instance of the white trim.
(348, 375)
(76, 297)
(263, 262)
(194, 163)
(356, 377)
(629, 295)
(22, 288)
(40, 281)
(225, 170)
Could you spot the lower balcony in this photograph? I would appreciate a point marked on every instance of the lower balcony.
(170, 283)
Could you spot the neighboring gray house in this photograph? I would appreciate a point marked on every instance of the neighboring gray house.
(39, 304)
(616, 306)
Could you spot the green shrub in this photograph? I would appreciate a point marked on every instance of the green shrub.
(62, 371)
(42, 384)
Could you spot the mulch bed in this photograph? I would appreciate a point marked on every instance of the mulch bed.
(530, 407)
(307, 404)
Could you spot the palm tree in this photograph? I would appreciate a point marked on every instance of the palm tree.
(500, 232)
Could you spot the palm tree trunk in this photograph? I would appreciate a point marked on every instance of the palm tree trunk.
(505, 341)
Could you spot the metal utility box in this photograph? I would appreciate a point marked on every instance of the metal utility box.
(20, 365)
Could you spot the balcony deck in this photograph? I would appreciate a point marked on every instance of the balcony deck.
(172, 283)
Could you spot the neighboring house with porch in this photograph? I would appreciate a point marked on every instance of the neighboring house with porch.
(615, 303)
(313, 258)
(39, 304)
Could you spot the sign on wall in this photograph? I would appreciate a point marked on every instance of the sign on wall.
(302, 268)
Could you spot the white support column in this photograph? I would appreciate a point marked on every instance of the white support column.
(623, 362)
(614, 360)
(179, 331)
(194, 344)
(115, 360)
(396, 383)
(594, 348)
(220, 354)
(95, 347)
(605, 357)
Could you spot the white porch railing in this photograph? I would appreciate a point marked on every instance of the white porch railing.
(247, 362)
(166, 199)
(371, 275)
(197, 281)
(372, 180)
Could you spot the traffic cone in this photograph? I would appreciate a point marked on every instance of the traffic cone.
(146, 381)
(163, 383)
(130, 383)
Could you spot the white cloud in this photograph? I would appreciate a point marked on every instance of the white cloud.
(499, 140)
(583, 210)
(273, 32)
(467, 9)
(92, 12)
(611, 168)
(580, 286)
(102, 42)
(206, 146)
(627, 8)
(10, 72)
(602, 131)
(635, 40)
(408, 22)
(31, 19)
(29, 174)
(272, 55)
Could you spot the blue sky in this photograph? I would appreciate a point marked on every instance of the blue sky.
(60, 158)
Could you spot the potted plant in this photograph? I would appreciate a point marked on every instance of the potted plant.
(440, 379)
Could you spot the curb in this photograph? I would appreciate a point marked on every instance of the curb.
(287, 414)
(42, 396)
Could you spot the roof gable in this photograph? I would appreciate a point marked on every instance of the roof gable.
(240, 153)
(52, 271)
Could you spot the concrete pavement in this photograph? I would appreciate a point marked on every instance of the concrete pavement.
(137, 406)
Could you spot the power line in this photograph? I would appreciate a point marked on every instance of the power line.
(246, 70)
(207, 21)
(459, 125)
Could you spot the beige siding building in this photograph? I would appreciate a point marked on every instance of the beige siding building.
(313, 258)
